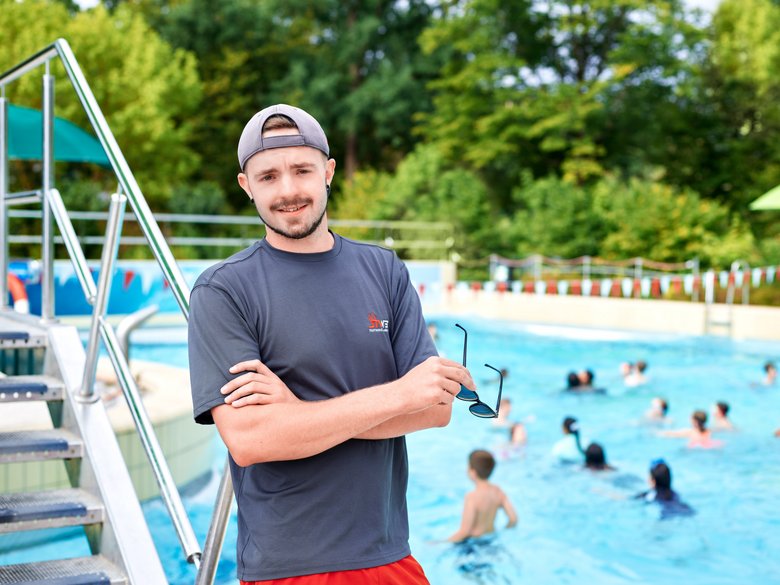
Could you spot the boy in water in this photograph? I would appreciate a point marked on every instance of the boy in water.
(661, 492)
(481, 505)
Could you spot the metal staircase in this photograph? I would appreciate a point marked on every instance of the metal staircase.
(45, 362)
(101, 499)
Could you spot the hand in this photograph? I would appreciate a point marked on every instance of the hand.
(258, 386)
(435, 381)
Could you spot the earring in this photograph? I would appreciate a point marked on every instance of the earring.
(327, 189)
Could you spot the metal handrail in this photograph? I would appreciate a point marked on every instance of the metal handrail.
(52, 204)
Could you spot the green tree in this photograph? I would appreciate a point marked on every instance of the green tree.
(148, 92)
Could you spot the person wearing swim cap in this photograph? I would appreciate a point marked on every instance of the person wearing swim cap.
(310, 353)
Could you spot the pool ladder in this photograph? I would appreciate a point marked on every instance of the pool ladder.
(722, 316)
(44, 364)
(60, 374)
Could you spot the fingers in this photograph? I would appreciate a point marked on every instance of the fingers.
(243, 380)
(250, 365)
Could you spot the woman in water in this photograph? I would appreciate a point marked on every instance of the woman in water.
(698, 435)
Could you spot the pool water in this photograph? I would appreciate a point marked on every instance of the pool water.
(576, 526)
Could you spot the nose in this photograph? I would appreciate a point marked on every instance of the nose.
(286, 185)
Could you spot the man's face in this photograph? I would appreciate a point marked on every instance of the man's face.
(288, 188)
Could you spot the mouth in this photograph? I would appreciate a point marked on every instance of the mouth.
(291, 209)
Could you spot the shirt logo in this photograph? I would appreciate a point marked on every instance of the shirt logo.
(377, 325)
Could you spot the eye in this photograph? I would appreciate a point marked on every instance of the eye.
(266, 178)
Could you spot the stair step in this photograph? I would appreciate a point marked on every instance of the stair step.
(95, 570)
(49, 509)
(25, 388)
(39, 446)
(21, 337)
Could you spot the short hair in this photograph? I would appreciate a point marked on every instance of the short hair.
(664, 405)
(662, 476)
(590, 375)
(595, 456)
(277, 122)
(723, 407)
(482, 462)
(570, 424)
(572, 379)
(641, 366)
(769, 366)
(700, 418)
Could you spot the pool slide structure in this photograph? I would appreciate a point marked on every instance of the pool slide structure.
(45, 363)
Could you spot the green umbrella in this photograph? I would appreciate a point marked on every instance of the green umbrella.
(71, 143)
(769, 200)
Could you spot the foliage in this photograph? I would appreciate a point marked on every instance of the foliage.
(147, 91)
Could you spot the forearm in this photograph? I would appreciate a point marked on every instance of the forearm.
(435, 416)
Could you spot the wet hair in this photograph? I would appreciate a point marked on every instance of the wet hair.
(723, 407)
(595, 457)
(769, 366)
(590, 375)
(570, 425)
(641, 366)
(664, 405)
(482, 462)
(700, 419)
(572, 379)
(662, 476)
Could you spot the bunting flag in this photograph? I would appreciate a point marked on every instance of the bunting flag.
(756, 277)
(644, 287)
(563, 287)
(739, 278)
(666, 282)
(606, 287)
(129, 275)
(627, 287)
(540, 287)
(770, 274)
(723, 278)
(688, 284)
(587, 286)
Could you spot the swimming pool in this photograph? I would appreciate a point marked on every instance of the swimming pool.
(575, 526)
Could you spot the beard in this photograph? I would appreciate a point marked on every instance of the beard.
(297, 232)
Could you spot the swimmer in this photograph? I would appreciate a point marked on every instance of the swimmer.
(699, 437)
(637, 375)
(661, 492)
(572, 382)
(771, 374)
(596, 459)
(569, 448)
(720, 417)
(657, 413)
(482, 504)
(502, 420)
(518, 435)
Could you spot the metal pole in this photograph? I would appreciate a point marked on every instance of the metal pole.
(216, 535)
(3, 193)
(47, 227)
(695, 276)
(110, 248)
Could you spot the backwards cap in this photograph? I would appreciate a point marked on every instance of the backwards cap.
(252, 141)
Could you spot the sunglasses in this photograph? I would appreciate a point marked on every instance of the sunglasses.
(479, 408)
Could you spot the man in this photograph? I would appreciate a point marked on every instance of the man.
(311, 355)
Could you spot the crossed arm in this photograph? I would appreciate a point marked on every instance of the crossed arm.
(274, 425)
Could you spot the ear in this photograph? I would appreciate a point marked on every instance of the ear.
(330, 170)
(243, 181)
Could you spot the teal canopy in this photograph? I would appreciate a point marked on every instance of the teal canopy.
(71, 143)
(769, 200)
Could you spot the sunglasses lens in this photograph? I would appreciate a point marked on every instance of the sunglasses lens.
(466, 394)
(482, 410)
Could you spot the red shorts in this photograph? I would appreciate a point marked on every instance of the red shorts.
(407, 571)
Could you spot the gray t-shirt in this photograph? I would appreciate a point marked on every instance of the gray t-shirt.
(327, 324)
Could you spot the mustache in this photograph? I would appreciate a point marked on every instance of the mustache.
(297, 202)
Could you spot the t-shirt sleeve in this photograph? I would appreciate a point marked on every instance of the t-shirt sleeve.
(218, 338)
(412, 343)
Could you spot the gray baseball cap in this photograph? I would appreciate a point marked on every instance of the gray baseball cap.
(252, 141)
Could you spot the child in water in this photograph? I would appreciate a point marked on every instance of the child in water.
(482, 504)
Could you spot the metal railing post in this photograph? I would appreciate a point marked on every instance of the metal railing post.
(110, 249)
(216, 535)
(3, 193)
(47, 238)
